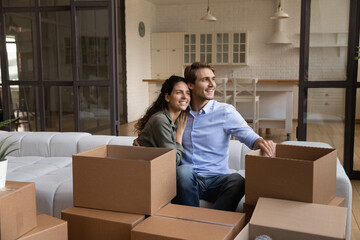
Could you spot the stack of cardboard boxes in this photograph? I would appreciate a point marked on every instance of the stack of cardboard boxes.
(293, 195)
(18, 218)
(123, 192)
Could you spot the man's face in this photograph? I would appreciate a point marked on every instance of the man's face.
(204, 87)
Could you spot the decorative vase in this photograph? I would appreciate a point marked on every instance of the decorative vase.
(3, 170)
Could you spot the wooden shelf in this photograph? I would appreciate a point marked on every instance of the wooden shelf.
(327, 40)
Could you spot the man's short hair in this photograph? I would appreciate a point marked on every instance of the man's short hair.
(190, 71)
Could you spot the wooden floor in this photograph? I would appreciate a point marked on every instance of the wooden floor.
(331, 133)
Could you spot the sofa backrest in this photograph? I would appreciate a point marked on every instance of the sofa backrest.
(66, 144)
(45, 144)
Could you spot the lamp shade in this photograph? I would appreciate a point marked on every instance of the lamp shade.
(280, 13)
(279, 37)
(208, 17)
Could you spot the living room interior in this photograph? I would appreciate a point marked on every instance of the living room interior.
(107, 83)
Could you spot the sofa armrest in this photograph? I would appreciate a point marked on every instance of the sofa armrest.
(237, 152)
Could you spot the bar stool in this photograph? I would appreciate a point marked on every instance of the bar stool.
(221, 90)
(244, 91)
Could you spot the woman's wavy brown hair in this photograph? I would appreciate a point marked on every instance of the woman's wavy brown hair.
(160, 103)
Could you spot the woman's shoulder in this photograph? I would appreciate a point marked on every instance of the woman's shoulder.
(159, 117)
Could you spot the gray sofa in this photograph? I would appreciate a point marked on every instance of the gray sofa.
(46, 159)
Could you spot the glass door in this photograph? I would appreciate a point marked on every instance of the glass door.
(326, 112)
(20, 70)
(97, 94)
(354, 149)
(59, 65)
(93, 66)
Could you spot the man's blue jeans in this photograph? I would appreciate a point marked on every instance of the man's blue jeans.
(224, 191)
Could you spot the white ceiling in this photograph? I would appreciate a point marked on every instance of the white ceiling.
(179, 2)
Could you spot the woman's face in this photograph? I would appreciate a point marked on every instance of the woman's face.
(179, 98)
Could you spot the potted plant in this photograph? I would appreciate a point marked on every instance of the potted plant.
(4, 152)
(6, 122)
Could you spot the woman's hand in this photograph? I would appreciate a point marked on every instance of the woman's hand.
(181, 124)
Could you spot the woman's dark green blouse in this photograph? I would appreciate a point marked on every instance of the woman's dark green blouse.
(160, 131)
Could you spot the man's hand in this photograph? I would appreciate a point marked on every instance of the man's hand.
(135, 143)
(267, 146)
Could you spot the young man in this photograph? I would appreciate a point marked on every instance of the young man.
(204, 172)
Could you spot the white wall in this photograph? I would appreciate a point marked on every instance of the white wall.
(266, 61)
(138, 58)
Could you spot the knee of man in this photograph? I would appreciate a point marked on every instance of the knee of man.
(238, 180)
(185, 173)
(184, 170)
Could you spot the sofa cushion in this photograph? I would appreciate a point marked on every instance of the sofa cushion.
(92, 141)
(31, 167)
(65, 144)
(37, 144)
(46, 188)
(63, 198)
(123, 140)
(14, 136)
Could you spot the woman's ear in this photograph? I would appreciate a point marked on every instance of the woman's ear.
(167, 97)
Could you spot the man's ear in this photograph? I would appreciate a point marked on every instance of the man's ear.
(190, 85)
(167, 97)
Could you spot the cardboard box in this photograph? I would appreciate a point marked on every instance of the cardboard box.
(249, 209)
(124, 178)
(91, 224)
(17, 209)
(159, 228)
(282, 219)
(47, 228)
(235, 220)
(244, 234)
(305, 174)
(337, 201)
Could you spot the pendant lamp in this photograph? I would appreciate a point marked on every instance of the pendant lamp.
(208, 17)
(280, 14)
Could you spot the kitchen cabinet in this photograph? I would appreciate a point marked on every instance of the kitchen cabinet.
(170, 52)
(166, 55)
(240, 48)
(231, 48)
(218, 48)
(206, 47)
(222, 49)
(326, 104)
(159, 63)
(190, 48)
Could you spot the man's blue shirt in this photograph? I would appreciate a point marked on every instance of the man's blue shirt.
(207, 136)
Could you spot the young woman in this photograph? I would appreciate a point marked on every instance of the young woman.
(164, 122)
